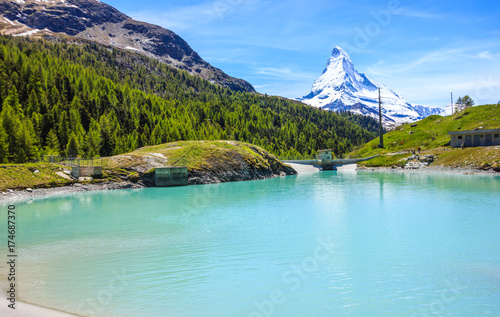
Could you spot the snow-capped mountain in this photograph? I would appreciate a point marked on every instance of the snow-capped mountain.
(341, 87)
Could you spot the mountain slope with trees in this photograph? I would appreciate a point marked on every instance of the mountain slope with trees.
(81, 98)
(99, 22)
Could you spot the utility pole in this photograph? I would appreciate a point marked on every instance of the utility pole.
(451, 103)
(381, 129)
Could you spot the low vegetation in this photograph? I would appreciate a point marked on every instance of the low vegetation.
(31, 175)
(431, 135)
(207, 162)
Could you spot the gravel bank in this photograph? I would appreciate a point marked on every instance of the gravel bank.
(431, 170)
(18, 195)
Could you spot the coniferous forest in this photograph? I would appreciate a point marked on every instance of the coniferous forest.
(85, 99)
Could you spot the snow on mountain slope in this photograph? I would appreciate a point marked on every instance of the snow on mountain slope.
(341, 87)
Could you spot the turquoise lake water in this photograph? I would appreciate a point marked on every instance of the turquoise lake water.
(320, 244)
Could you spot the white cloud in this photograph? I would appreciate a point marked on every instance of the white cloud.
(421, 14)
(285, 73)
(486, 55)
(193, 16)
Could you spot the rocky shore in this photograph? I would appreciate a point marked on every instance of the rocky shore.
(431, 170)
(208, 162)
(10, 196)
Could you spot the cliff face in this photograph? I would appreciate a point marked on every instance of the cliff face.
(239, 167)
(99, 22)
(70, 17)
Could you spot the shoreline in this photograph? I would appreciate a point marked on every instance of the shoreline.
(41, 193)
(26, 309)
(431, 170)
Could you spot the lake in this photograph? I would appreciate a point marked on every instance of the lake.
(318, 244)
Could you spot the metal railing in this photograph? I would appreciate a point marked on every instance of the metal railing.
(297, 157)
(76, 161)
(70, 161)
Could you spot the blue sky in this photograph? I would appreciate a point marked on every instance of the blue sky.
(423, 49)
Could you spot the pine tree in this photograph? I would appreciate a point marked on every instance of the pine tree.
(4, 146)
(72, 148)
(33, 106)
(25, 150)
(107, 144)
(11, 125)
(464, 102)
(13, 101)
(53, 145)
(92, 140)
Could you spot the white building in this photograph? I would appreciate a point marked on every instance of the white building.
(475, 138)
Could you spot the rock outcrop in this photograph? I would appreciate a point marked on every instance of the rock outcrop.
(207, 162)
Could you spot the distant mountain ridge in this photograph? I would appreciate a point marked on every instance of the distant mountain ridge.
(99, 22)
(342, 87)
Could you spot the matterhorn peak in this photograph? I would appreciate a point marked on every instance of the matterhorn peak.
(339, 60)
(337, 51)
(342, 87)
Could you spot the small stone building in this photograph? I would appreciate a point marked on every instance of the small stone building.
(475, 138)
(324, 155)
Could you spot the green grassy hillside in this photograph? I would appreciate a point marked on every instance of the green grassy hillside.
(431, 135)
(207, 162)
(31, 175)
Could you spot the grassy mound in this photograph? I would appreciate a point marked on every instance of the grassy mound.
(206, 161)
(431, 135)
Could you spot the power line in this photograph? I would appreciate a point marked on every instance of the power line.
(452, 103)
(381, 129)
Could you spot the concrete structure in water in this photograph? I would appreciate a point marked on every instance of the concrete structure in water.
(171, 176)
(475, 138)
(325, 161)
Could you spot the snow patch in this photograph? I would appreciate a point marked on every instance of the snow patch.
(50, 1)
(28, 33)
(20, 1)
(132, 48)
(4, 19)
